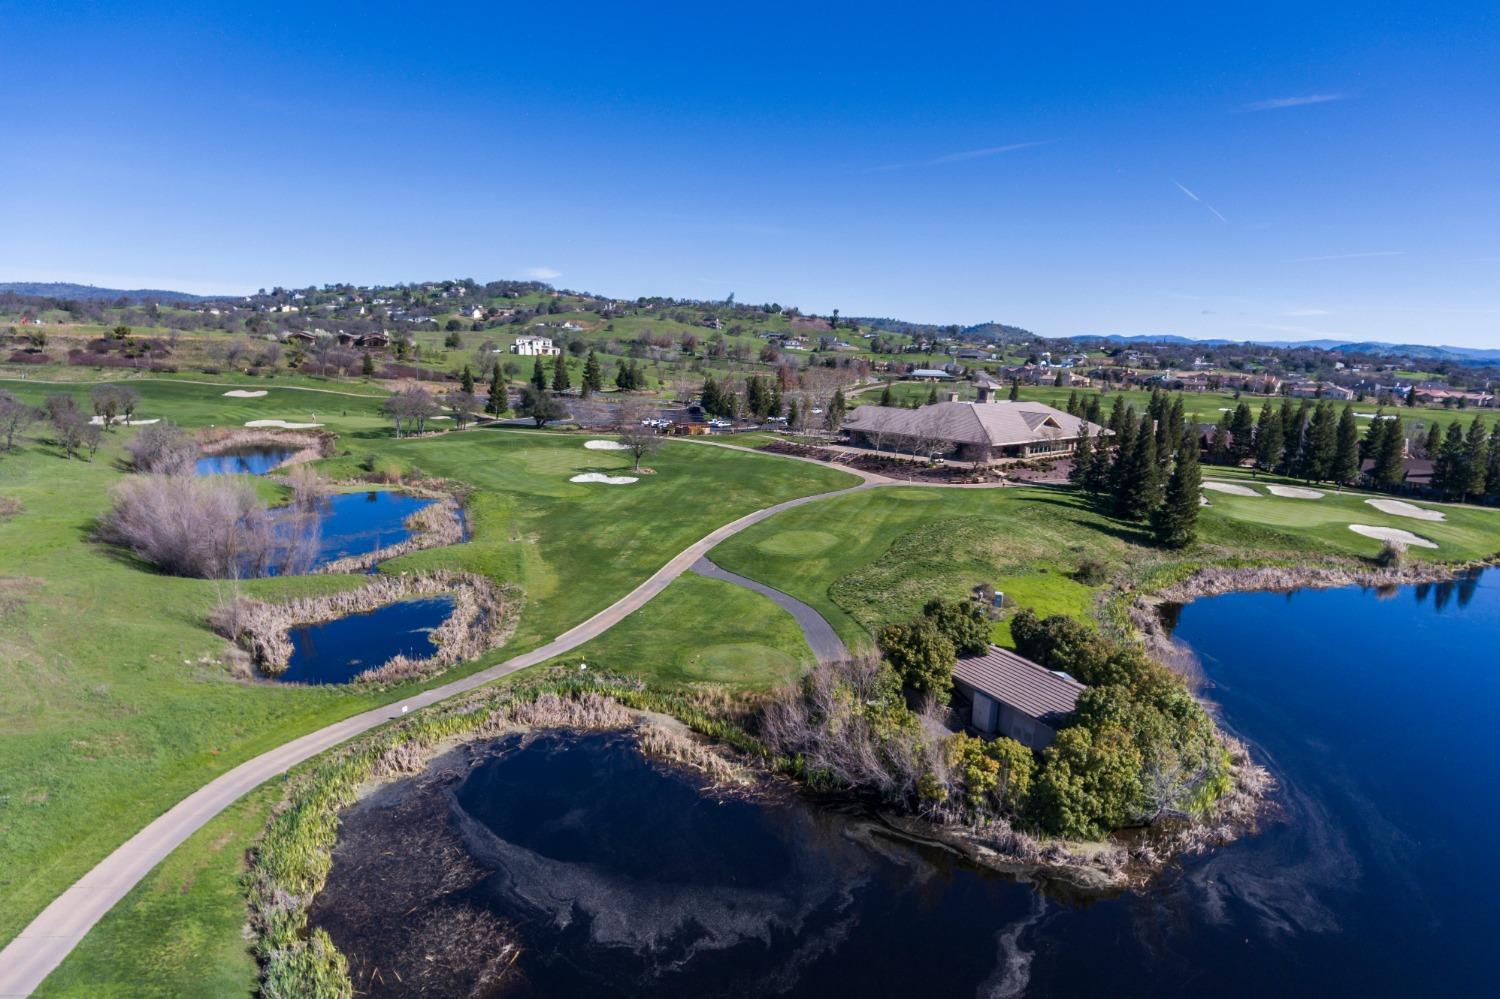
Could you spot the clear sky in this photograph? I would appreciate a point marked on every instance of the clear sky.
(1275, 171)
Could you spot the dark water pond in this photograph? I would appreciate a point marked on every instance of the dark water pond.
(337, 651)
(1377, 713)
(360, 523)
(254, 460)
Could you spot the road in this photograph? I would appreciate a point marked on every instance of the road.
(28, 959)
(825, 643)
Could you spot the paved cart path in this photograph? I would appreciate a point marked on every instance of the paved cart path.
(821, 638)
(51, 936)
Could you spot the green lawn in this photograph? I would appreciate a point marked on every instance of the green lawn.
(113, 700)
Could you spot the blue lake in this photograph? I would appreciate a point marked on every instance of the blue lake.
(1377, 714)
(256, 460)
(338, 651)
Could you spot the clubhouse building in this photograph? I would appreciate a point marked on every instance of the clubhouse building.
(982, 432)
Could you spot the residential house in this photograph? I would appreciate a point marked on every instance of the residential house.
(534, 346)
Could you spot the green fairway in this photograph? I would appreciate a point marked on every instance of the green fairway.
(112, 693)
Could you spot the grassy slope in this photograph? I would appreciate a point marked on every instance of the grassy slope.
(873, 557)
(109, 695)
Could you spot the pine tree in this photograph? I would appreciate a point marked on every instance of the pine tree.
(1433, 441)
(538, 376)
(1177, 425)
(932, 396)
(1175, 521)
(1081, 474)
(497, 403)
(1218, 449)
(1015, 390)
(1492, 465)
(1344, 468)
(1140, 483)
(1267, 439)
(593, 374)
(466, 380)
(1073, 403)
(1120, 414)
(1450, 474)
(838, 408)
(367, 366)
(1095, 412)
(794, 415)
(1124, 444)
(1388, 472)
(560, 380)
(1476, 460)
(1242, 432)
(886, 398)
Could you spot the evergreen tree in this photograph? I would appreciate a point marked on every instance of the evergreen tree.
(1476, 460)
(776, 406)
(1345, 466)
(1081, 474)
(1120, 414)
(1267, 439)
(1388, 472)
(560, 380)
(1242, 432)
(1015, 390)
(932, 396)
(757, 399)
(1175, 521)
(886, 398)
(593, 374)
(838, 408)
(1319, 444)
(1072, 409)
(1177, 426)
(1124, 444)
(1140, 483)
(467, 380)
(1450, 473)
(794, 415)
(1095, 412)
(1218, 448)
(497, 403)
(1433, 441)
(538, 376)
(1492, 465)
(1294, 435)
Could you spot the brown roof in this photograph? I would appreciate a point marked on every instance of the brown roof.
(1020, 683)
(993, 423)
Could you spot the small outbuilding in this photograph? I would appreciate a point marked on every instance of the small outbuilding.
(1012, 696)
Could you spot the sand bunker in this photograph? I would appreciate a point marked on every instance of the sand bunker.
(282, 425)
(606, 446)
(608, 480)
(1230, 488)
(245, 393)
(1400, 508)
(1392, 534)
(120, 421)
(1295, 492)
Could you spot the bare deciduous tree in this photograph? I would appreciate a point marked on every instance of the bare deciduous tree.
(163, 449)
(635, 434)
(15, 418)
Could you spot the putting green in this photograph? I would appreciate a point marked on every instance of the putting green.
(798, 543)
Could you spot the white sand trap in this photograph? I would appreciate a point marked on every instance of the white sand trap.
(441, 417)
(608, 480)
(1392, 534)
(1230, 488)
(1400, 508)
(282, 425)
(1295, 492)
(245, 393)
(605, 446)
(120, 421)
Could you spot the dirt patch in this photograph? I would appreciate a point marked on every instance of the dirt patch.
(1401, 508)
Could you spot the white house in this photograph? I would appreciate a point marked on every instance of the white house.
(534, 346)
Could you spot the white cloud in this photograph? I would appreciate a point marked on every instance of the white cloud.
(1303, 313)
(1278, 103)
(960, 157)
(1346, 256)
(541, 273)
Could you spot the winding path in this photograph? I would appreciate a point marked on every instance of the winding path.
(821, 638)
(28, 959)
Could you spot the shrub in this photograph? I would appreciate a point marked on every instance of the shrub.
(1392, 555)
(921, 654)
(163, 449)
(210, 528)
(963, 622)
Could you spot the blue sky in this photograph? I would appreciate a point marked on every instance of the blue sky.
(1275, 172)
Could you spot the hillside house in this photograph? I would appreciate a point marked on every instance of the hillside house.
(534, 346)
(1011, 696)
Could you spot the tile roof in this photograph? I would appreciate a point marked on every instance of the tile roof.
(1022, 684)
(993, 423)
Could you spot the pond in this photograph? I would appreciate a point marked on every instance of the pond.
(1375, 711)
(257, 459)
(360, 523)
(337, 651)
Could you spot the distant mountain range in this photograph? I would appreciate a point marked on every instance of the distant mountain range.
(1419, 351)
(88, 292)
